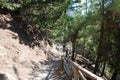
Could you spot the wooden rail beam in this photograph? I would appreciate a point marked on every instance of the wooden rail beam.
(84, 71)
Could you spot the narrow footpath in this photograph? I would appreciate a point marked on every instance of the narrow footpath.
(50, 70)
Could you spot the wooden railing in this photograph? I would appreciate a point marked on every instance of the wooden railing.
(78, 72)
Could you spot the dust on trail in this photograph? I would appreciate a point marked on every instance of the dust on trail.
(47, 71)
(21, 61)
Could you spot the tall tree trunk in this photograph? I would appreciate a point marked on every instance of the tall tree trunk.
(96, 65)
(73, 40)
(116, 60)
(73, 51)
(114, 76)
(103, 70)
(99, 52)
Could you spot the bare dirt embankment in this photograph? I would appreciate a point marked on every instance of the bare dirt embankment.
(17, 60)
(20, 60)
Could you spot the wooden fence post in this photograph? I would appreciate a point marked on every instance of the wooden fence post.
(81, 76)
(62, 59)
(76, 73)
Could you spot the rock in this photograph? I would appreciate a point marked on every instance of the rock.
(6, 76)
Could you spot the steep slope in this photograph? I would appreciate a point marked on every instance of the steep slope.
(19, 60)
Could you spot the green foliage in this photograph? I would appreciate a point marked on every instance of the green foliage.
(39, 12)
(9, 5)
(116, 5)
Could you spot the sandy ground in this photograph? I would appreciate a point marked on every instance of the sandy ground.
(19, 60)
